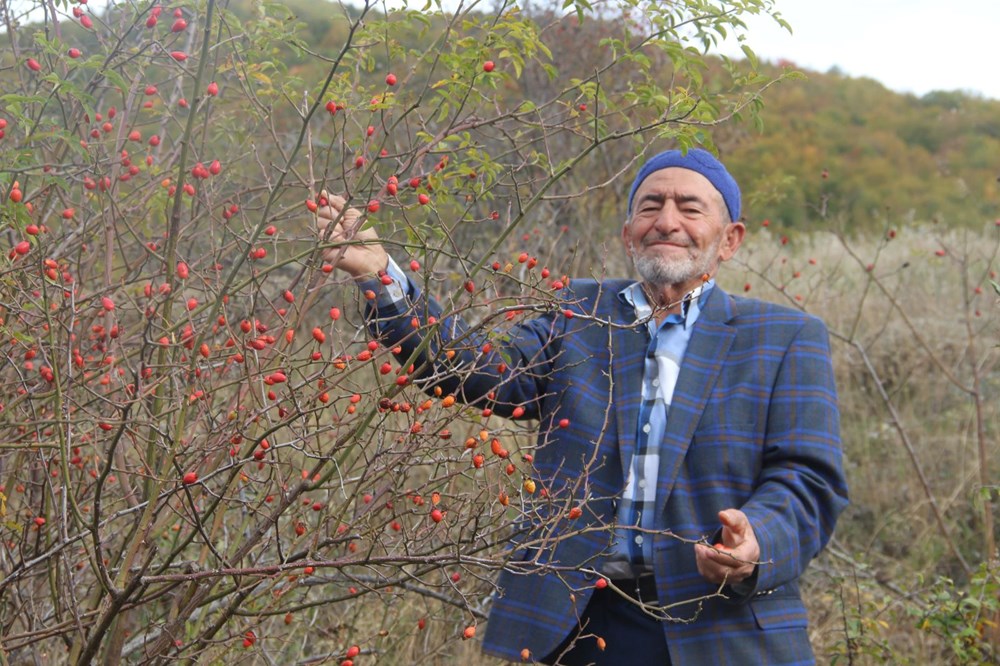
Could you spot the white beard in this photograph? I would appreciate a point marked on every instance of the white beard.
(659, 272)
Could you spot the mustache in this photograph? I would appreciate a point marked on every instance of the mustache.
(658, 237)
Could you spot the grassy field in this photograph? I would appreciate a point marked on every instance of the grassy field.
(916, 326)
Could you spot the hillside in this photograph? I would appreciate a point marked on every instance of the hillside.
(831, 146)
(888, 157)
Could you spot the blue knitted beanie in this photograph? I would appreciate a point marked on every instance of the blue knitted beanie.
(700, 161)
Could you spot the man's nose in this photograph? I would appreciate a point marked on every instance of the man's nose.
(669, 218)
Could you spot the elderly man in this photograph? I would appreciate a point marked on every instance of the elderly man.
(699, 433)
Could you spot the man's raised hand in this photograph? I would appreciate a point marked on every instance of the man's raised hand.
(358, 251)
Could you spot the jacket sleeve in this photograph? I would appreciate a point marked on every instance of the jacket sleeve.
(504, 367)
(801, 488)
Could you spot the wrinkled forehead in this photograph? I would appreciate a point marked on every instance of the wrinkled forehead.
(680, 185)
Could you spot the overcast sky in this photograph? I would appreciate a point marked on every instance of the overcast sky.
(908, 45)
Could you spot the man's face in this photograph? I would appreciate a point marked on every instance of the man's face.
(679, 229)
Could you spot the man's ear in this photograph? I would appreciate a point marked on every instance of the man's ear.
(734, 234)
(626, 241)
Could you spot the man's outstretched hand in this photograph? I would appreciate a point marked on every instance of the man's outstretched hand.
(359, 253)
(740, 551)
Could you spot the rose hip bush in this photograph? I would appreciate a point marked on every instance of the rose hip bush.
(202, 449)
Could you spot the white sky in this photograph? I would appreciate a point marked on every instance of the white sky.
(913, 46)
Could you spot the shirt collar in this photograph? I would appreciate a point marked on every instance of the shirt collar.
(691, 304)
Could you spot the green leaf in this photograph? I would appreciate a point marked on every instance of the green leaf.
(116, 79)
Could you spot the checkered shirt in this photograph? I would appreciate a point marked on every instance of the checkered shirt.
(632, 549)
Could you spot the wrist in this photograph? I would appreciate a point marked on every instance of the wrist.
(367, 268)
(390, 285)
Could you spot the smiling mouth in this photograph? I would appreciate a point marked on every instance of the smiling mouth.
(666, 243)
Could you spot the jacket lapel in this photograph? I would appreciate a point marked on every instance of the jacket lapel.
(628, 349)
(700, 369)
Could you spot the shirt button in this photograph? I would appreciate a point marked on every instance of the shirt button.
(656, 382)
(646, 428)
(642, 483)
(638, 540)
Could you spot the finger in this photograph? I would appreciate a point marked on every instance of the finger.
(712, 559)
(332, 209)
(346, 220)
(331, 225)
(335, 200)
(735, 527)
(734, 519)
(714, 569)
(704, 564)
(348, 216)
(327, 224)
(735, 557)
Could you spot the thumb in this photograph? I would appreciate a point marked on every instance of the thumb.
(734, 526)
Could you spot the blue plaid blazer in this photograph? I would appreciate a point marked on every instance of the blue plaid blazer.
(753, 424)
